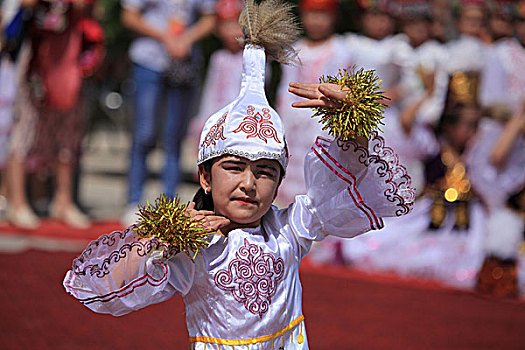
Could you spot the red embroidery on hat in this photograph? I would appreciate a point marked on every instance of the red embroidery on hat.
(257, 125)
(216, 132)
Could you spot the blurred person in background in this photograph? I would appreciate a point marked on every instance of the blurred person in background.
(166, 62)
(427, 58)
(500, 159)
(503, 84)
(321, 52)
(19, 127)
(224, 73)
(376, 47)
(425, 66)
(66, 46)
(9, 18)
(467, 51)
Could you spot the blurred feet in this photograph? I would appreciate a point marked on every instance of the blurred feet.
(70, 215)
(22, 217)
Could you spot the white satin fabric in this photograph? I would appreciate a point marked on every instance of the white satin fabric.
(245, 287)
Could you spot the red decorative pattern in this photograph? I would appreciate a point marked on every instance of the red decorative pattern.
(101, 269)
(129, 288)
(257, 125)
(398, 184)
(376, 222)
(216, 132)
(252, 277)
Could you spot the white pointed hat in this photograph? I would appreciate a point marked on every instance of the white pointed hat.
(248, 127)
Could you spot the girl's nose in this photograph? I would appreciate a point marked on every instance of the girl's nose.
(248, 181)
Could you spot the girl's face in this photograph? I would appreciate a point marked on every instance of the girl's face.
(500, 27)
(318, 25)
(471, 21)
(242, 190)
(461, 132)
(417, 31)
(377, 25)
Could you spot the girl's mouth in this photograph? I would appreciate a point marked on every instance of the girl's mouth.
(246, 201)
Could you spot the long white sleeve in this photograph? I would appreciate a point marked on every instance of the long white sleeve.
(118, 273)
(350, 189)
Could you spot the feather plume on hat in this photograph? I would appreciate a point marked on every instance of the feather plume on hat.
(273, 26)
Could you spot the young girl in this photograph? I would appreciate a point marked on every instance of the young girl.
(243, 291)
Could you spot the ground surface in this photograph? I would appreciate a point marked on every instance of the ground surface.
(344, 309)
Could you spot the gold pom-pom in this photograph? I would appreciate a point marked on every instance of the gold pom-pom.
(363, 108)
(168, 221)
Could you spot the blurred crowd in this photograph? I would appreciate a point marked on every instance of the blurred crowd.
(453, 72)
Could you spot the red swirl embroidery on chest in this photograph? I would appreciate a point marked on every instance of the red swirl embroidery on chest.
(252, 277)
(216, 132)
(257, 125)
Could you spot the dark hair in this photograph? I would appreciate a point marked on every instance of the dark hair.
(204, 201)
(449, 118)
(452, 115)
(514, 200)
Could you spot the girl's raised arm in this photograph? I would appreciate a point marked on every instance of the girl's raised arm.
(354, 180)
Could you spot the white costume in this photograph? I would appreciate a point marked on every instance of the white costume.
(244, 289)
(467, 53)
(431, 56)
(386, 56)
(301, 129)
(494, 185)
(504, 75)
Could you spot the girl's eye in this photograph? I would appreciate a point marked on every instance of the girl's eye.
(233, 168)
(266, 173)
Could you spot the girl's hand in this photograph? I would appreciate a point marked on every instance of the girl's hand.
(207, 218)
(319, 95)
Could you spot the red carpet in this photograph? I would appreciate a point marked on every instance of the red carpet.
(56, 229)
(344, 310)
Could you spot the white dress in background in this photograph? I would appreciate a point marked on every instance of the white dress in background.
(467, 53)
(494, 184)
(504, 75)
(431, 56)
(243, 291)
(301, 129)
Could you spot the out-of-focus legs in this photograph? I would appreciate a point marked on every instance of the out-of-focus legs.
(63, 207)
(19, 212)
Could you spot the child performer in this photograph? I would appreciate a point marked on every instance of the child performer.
(242, 290)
